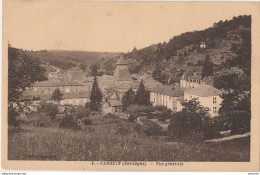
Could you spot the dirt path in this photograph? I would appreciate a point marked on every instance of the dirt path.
(228, 138)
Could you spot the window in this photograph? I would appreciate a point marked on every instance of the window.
(214, 110)
(214, 100)
(67, 90)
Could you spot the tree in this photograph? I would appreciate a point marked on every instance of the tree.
(23, 70)
(235, 111)
(157, 73)
(128, 98)
(57, 95)
(207, 68)
(94, 71)
(81, 112)
(49, 109)
(190, 123)
(82, 67)
(95, 96)
(142, 96)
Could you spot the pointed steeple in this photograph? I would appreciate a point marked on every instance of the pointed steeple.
(121, 72)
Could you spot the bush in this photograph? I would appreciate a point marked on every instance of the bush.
(109, 115)
(12, 116)
(68, 123)
(151, 128)
(160, 107)
(87, 122)
(132, 118)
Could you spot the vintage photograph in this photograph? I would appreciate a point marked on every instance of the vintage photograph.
(128, 82)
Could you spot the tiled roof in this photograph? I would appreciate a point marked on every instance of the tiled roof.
(55, 83)
(121, 61)
(169, 91)
(203, 91)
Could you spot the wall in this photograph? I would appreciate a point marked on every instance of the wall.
(207, 102)
(75, 101)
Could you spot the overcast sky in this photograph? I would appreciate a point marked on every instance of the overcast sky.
(107, 26)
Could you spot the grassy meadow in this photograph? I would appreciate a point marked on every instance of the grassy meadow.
(113, 139)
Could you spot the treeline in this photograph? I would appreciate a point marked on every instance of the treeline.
(166, 51)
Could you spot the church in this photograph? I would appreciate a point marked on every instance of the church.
(114, 87)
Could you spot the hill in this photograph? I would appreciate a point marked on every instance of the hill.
(222, 42)
(68, 59)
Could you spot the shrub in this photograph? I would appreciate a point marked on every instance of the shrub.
(68, 123)
(132, 118)
(160, 107)
(12, 116)
(87, 122)
(109, 115)
(50, 109)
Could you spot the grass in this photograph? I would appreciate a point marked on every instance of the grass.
(113, 139)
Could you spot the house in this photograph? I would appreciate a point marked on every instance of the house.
(189, 79)
(167, 96)
(207, 95)
(75, 98)
(203, 45)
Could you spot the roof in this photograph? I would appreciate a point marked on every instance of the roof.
(122, 73)
(121, 61)
(169, 91)
(115, 103)
(55, 83)
(203, 91)
(76, 95)
(208, 80)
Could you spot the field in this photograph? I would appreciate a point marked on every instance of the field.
(113, 139)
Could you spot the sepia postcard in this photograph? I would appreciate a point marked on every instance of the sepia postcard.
(159, 86)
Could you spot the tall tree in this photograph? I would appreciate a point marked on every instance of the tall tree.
(95, 96)
(157, 73)
(142, 96)
(191, 123)
(128, 98)
(23, 70)
(207, 68)
(94, 71)
(57, 95)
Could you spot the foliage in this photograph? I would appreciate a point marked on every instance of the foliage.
(232, 81)
(82, 67)
(157, 73)
(132, 118)
(103, 144)
(12, 116)
(82, 112)
(142, 97)
(109, 115)
(57, 95)
(128, 98)
(207, 68)
(235, 111)
(165, 114)
(190, 123)
(87, 122)
(95, 96)
(23, 70)
(160, 107)
(68, 123)
(94, 71)
(49, 109)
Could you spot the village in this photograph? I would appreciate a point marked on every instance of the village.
(76, 90)
(185, 100)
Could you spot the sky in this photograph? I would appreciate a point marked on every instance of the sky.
(107, 26)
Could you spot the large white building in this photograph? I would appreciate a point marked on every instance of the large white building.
(167, 96)
(207, 95)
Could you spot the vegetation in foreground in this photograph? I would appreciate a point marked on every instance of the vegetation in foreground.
(113, 139)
